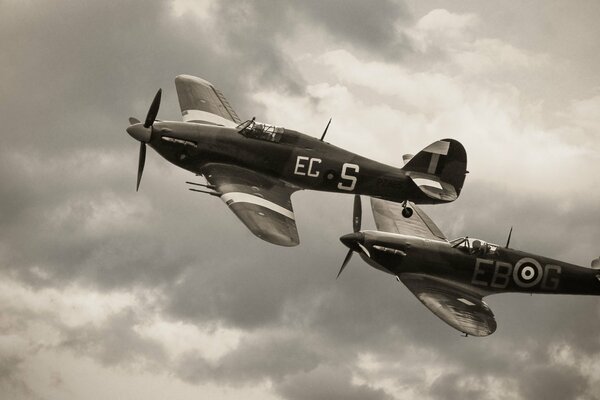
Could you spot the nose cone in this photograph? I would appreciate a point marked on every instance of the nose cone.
(352, 240)
(140, 133)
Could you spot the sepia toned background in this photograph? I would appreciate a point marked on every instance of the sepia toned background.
(109, 293)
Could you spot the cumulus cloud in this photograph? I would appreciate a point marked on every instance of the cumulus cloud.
(328, 383)
(165, 294)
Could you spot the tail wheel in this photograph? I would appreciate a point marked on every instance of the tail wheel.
(407, 212)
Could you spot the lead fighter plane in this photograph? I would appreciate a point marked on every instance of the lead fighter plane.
(254, 168)
(452, 277)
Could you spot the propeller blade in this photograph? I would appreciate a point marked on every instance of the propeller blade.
(141, 164)
(357, 217)
(153, 110)
(133, 121)
(348, 257)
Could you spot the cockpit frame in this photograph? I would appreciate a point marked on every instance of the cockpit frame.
(474, 246)
(261, 131)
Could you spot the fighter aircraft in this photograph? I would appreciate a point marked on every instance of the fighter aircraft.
(451, 277)
(254, 167)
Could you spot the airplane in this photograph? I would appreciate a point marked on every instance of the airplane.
(255, 167)
(451, 277)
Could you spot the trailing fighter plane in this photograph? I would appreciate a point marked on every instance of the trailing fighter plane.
(254, 167)
(451, 277)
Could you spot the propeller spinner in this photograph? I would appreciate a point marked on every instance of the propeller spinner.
(143, 133)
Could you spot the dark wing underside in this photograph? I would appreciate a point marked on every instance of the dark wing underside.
(262, 203)
(201, 102)
(388, 218)
(461, 309)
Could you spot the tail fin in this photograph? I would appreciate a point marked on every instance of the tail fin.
(439, 170)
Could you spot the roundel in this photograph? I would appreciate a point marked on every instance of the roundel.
(527, 272)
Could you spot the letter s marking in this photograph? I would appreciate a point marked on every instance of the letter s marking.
(352, 179)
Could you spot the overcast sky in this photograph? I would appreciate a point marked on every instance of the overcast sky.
(109, 293)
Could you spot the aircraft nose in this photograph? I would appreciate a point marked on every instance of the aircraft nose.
(140, 132)
(352, 240)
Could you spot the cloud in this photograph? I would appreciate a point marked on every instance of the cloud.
(328, 383)
(371, 28)
(441, 28)
(268, 355)
(164, 293)
(456, 386)
(584, 122)
(552, 383)
(115, 342)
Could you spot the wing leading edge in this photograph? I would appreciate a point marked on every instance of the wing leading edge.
(262, 203)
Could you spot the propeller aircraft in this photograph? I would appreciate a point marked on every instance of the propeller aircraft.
(254, 167)
(451, 277)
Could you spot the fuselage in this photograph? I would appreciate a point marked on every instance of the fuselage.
(300, 160)
(493, 270)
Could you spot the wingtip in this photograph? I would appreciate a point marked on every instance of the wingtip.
(191, 78)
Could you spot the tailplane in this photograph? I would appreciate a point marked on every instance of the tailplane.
(439, 170)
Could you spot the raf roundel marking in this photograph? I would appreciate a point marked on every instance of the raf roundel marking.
(527, 272)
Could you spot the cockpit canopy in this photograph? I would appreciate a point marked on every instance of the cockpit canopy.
(258, 130)
(474, 246)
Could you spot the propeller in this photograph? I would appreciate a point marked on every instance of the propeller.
(143, 133)
(357, 214)
(153, 110)
(346, 260)
(141, 162)
(354, 240)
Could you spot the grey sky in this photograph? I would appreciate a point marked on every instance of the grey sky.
(162, 293)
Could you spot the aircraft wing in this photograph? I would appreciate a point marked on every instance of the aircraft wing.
(388, 218)
(461, 309)
(261, 202)
(201, 102)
